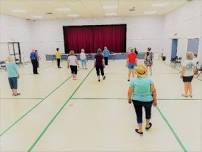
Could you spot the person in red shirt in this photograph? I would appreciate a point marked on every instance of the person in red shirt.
(131, 63)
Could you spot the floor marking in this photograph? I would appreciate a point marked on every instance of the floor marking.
(58, 112)
(172, 129)
(36, 105)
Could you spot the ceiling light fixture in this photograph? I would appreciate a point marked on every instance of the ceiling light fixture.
(111, 14)
(159, 4)
(18, 11)
(149, 12)
(37, 17)
(110, 7)
(73, 15)
(65, 9)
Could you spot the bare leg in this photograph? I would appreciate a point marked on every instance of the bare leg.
(185, 89)
(147, 123)
(190, 89)
(140, 127)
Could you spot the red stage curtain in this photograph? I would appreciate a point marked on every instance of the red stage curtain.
(92, 37)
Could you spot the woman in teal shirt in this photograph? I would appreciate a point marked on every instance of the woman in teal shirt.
(13, 75)
(143, 94)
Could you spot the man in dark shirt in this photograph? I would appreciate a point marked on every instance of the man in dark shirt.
(99, 64)
(33, 57)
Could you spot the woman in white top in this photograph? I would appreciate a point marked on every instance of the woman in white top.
(83, 59)
(72, 63)
(187, 72)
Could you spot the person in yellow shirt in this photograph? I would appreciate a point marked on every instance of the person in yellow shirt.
(58, 57)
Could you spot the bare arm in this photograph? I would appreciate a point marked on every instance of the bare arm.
(67, 63)
(182, 70)
(154, 94)
(77, 62)
(130, 92)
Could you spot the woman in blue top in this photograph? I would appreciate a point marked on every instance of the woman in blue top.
(143, 94)
(106, 54)
(13, 75)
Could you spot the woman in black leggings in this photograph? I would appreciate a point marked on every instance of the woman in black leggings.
(143, 94)
(99, 64)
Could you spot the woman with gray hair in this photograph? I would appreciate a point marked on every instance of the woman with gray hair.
(13, 75)
(186, 73)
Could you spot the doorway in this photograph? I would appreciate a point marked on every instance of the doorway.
(174, 49)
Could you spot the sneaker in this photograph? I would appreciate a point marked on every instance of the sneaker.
(104, 77)
(99, 80)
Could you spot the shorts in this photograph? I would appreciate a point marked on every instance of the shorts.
(73, 69)
(148, 63)
(187, 78)
(131, 65)
(83, 62)
(13, 82)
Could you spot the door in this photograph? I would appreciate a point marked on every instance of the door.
(174, 48)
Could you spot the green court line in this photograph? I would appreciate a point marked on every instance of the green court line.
(57, 113)
(31, 109)
(172, 130)
(126, 99)
(21, 98)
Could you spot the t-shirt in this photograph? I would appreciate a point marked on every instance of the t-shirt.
(99, 60)
(106, 53)
(82, 56)
(142, 89)
(149, 56)
(132, 58)
(12, 70)
(58, 55)
(72, 60)
(189, 67)
(33, 56)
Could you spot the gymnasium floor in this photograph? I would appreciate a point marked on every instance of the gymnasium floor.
(55, 113)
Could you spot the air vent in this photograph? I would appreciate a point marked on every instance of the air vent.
(49, 13)
(132, 9)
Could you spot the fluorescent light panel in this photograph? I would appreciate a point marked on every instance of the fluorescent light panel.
(149, 12)
(37, 17)
(111, 14)
(107, 7)
(65, 9)
(159, 4)
(19, 11)
(73, 15)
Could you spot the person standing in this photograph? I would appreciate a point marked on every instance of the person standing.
(106, 55)
(99, 64)
(148, 60)
(34, 58)
(142, 93)
(131, 63)
(73, 64)
(188, 69)
(83, 59)
(58, 57)
(38, 58)
(13, 75)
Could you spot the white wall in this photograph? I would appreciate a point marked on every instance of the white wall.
(13, 29)
(141, 31)
(184, 23)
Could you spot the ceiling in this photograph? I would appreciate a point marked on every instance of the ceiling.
(64, 9)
